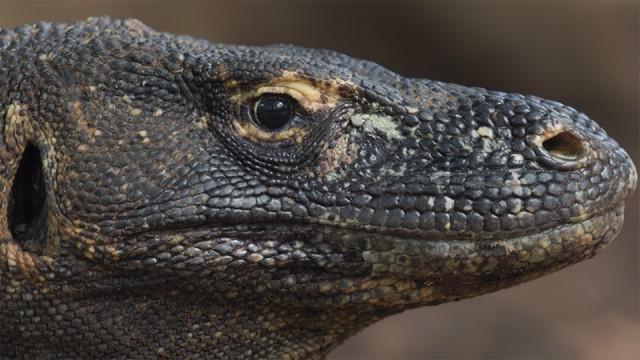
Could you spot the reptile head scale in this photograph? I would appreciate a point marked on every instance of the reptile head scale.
(167, 196)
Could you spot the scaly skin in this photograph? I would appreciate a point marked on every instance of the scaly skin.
(146, 212)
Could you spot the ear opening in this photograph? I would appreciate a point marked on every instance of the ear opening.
(26, 211)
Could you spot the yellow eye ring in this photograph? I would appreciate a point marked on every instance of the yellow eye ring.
(311, 97)
(248, 130)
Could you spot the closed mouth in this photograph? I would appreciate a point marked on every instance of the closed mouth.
(411, 254)
(557, 246)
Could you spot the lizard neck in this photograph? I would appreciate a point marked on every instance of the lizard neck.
(263, 331)
(181, 325)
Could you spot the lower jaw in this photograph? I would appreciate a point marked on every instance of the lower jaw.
(564, 243)
(413, 273)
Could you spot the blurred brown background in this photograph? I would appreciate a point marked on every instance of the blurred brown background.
(584, 54)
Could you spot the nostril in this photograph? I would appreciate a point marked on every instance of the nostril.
(565, 145)
(560, 148)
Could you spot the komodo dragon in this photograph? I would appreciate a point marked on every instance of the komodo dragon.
(166, 197)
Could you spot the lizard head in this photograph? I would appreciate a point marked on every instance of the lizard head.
(335, 176)
(302, 176)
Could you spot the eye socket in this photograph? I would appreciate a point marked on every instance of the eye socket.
(273, 111)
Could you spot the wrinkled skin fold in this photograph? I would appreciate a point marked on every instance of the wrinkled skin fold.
(148, 210)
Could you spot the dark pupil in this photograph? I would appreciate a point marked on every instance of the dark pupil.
(273, 111)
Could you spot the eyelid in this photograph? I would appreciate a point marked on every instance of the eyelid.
(309, 97)
(293, 93)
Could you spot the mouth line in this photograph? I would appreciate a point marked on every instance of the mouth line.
(561, 228)
(417, 271)
(291, 228)
(498, 259)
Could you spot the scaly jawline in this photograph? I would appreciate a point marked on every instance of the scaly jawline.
(292, 229)
(454, 276)
(410, 255)
(445, 270)
(328, 227)
(562, 244)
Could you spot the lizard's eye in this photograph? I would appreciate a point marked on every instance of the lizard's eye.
(273, 111)
(282, 113)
